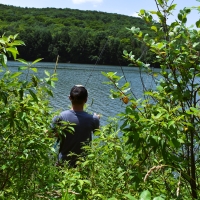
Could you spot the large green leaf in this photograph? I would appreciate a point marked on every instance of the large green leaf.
(145, 195)
(13, 50)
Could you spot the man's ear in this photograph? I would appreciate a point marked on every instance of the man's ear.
(70, 98)
(86, 100)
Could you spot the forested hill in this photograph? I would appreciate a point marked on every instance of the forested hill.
(76, 36)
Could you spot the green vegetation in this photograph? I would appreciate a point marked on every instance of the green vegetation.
(164, 128)
(49, 32)
(24, 114)
(157, 157)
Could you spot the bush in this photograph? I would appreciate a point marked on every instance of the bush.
(26, 149)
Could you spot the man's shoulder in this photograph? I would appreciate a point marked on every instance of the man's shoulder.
(67, 113)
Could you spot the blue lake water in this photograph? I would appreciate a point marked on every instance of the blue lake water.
(99, 100)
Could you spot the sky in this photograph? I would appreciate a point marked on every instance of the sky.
(125, 7)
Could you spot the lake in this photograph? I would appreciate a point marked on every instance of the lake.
(98, 100)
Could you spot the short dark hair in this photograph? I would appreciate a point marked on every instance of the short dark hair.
(78, 94)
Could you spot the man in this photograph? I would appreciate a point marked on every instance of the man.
(84, 125)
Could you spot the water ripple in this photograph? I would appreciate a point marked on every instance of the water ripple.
(98, 101)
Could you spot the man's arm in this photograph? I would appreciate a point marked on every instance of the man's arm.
(54, 124)
(96, 120)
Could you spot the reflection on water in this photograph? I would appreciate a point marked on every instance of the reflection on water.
(98, 101)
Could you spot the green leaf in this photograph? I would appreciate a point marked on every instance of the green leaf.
(16, 74)
(198, 24)
(145, 195)
(159, 14)
(35, 61)
(158, 116)
(160, 45)
(184, 20)
(125, 52)
(17, 43)
(3, 167)
(2, 42)
(172, 7)
(195, 44)
(49, 92)
(99, 195)
(47, 73)
(187, 10)
(3, 59)
(171, 123)
(121, 174)
(180, 16)
(22, 68)
(158, 198)
(13, 51)
(81, 182)
(142, 12)
(33, 95)
(160, 2)
(175, 143)
(22, 61)
(181, 141)
(104, 73)
(178, 36)
(129, 196)
(15, 36)
(154, 28)
(54, 79)
(153, 12)
(194, 109)
(34, 69)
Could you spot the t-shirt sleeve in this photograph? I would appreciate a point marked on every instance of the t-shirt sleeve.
(54, 122)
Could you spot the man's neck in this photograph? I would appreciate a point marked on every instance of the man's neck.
(77, 107)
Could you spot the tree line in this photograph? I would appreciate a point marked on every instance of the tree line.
(76, 36)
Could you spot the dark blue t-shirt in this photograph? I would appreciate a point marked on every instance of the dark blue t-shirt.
(85, 124)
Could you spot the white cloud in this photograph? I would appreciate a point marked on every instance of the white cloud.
(135, 14)
(84, 1)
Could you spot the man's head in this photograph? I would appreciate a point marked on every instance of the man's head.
(78, 95)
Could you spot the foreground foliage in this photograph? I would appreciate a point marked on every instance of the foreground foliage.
(25, 116)
(109, 171)
(164, 127)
